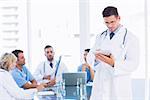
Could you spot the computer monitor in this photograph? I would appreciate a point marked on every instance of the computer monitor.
(72, 78)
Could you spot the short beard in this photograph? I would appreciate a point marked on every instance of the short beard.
(50, 59)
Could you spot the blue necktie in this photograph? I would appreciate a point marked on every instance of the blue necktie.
(51, 64)
(111, 35)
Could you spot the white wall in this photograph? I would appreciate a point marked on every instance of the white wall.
(55, 23)
(13, 26)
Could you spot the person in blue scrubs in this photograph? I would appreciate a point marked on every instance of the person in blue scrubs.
(85, 67)
(21, 74)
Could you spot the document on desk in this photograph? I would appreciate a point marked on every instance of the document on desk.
(57, 65)
(46, 93)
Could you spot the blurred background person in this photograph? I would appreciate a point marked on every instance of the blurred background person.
(85, 67)
(21, 74)
(51, 69)
(9, 90)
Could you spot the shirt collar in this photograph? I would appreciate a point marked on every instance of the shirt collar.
(118, 28)
(51, 62)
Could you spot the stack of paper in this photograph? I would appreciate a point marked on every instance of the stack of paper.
(46, 93)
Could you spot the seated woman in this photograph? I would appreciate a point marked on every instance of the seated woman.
(9, 90)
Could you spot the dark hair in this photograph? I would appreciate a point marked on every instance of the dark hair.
(87, 50)
(16, 52)
(110, 10)
(48, 46)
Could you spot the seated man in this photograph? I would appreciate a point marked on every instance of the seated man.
(87, 68)
(21, 74)
(50, 69)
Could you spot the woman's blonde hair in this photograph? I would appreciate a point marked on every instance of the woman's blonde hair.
(6, 60)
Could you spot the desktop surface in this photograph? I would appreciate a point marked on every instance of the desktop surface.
(71, 93)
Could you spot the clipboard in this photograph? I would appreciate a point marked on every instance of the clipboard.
(57, 65)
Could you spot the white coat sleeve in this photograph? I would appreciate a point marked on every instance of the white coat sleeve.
(91, 55)
(15, 91)
(130, 64)
(38, 74)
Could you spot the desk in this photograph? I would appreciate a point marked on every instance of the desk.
(72, 93)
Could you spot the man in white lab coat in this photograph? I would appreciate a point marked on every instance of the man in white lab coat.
(117, 51)
(51, 69)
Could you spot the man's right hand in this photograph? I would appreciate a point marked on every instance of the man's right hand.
(47, 77)
(109, 59)
(52, 82)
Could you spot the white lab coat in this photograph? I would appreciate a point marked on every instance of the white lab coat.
(45, 69)
(9, 90)
(115, 83)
